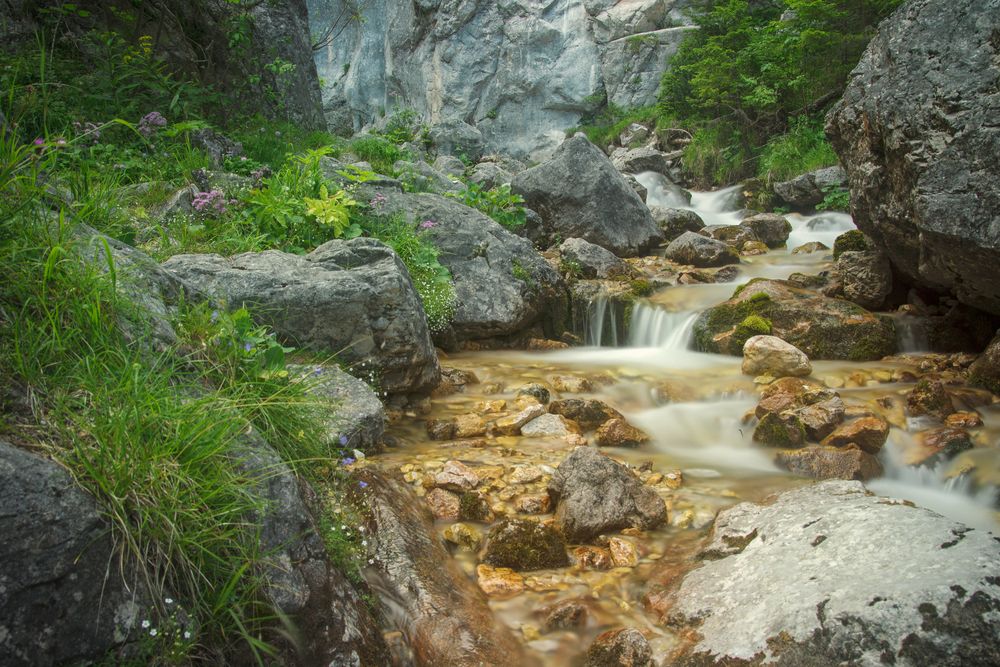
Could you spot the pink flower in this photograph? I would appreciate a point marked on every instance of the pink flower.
(427, 224)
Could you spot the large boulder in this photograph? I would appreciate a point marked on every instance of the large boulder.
(918, 131)
(823, 328)
(700, 251)
(448, 619)
(769, 355)
(579, 193)
(458, 138)
(592, 260)
(807, 190)
(675, 221)
(60, 602)
(593, 494)
(865, 277)
(502, 284)
(830, 574)
(638, 160)
(353, 298)
(772, 229)
(356, 417)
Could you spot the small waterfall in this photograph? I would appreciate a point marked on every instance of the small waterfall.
(911, 334)
(656, 327)
(931, 487)
(602, 322)
(824, 227)
(661, 192)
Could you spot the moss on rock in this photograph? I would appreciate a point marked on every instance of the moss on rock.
(522, 544)
(854, 240)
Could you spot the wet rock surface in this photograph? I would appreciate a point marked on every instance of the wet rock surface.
(700, 251)
(936, 608)
(521, 544)
(594, 494)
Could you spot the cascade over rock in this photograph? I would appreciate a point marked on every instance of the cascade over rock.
(918, 131)
(521, 72)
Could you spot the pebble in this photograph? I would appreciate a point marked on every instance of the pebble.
(499, 582)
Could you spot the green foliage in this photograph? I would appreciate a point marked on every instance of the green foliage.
(417, 251)
(499, 203)
(803, 148)
(333, 212)
(379, 151)
(604, 126)
(746, 73)
(752, 325)
(835, 199)
(402, 127)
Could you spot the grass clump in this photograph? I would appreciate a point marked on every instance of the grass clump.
(380, 152)
(498, 203)
(803, 148)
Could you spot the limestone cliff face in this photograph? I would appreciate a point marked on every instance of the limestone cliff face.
(521, 71)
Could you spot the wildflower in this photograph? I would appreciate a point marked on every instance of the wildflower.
(168, 600)
(60, 143)
(212, 201)
(347, 460)
(319, 371)
(187, 634)
(215, 316)
(247, 347)
(145, 624)
(427, 224)
(378, 201)
(152, 632)
(151, 123)
(363, 484)
(39, 141)
(343, 440)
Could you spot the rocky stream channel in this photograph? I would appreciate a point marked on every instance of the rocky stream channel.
(492, 448)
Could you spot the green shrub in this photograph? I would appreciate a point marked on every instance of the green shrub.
(499, 203)
(835, 199)
(381, 153)
(803, 148)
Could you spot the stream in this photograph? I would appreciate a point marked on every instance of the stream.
(692, 404)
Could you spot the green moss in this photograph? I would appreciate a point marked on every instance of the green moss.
(522, 544)
(854, 240)
(752, 325)
(472, 507)
(776, 431)
(640, 288)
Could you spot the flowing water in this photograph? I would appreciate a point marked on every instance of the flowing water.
(692, 404)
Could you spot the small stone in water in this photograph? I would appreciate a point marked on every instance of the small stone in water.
(623, 552)
(499, 582)
(456, 476)
(565, 615)
(525, 474)
(593, 558)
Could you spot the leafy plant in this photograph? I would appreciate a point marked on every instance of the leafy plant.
(499, 203)
(334, 212)
(835, 199)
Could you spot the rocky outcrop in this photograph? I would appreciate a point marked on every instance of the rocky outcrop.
(770, 228)
(502, 285)
(917, 131)
(675, 221)
(593, 494)
(419, 580)
(520, 72)
(823, 328)
(578, 193)
(353, 298)
(807, 190)
(911, 587)
(355, 418)
(60, 602)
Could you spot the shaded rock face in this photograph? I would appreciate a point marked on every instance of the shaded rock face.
(939, 607)
(521, 72)
(447, 619)
(917, 132)
(60, 603)
(865, 277)
(353, 298)
(624, 647)
(578, 193)
(333, 621)
(502, 285)
(985, 371)
(821, 327)
(594, 494)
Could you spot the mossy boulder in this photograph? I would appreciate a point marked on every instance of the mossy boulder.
(852, 241)
(929, 398)
(985, 371)
(522, 544)
(784, 430)
(822, 327)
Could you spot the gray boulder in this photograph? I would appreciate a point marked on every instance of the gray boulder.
(639, 188)
(593, 260)
(489, 175)
(675, 221)
(424, 178)
(593, 494)
(457, 138)
(732, 235)
(502, 285)
(450, 165)
(831, 574)
(353, 298)
(807, 190)
(633, 135)
(62, 598)
(638, 160)
(985, 371)
(356, 417)
(865, 277)
(917, 131)
(579, 194)
(700, 251)
(771, 228)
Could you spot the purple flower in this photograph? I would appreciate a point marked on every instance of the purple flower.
(209, 202)
(343, 440)
(39, 141)
(318, 370)
(346, 461)
(363, 484)
(150, 123)
(215, 316)
(427, 224)
(247, 346)
(378, 201)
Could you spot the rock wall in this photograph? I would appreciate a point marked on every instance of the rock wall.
(918, 131)
(521, 71)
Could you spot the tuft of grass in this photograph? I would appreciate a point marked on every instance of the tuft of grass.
(803, 148)
(381, 153)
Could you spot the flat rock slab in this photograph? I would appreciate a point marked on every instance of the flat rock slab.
(832, 574)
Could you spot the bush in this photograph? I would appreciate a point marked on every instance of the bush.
(380, 152)
(499, 203)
